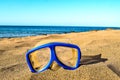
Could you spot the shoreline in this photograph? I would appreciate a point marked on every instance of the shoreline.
(56, 33)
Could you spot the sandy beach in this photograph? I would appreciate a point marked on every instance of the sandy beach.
(100, 57)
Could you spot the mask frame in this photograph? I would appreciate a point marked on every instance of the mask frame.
(53, 57)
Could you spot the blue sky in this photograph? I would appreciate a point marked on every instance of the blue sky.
(60, 12)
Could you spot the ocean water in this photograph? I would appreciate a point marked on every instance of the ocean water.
(22, 31)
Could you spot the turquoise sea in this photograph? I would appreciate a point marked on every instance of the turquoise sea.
(22, 31)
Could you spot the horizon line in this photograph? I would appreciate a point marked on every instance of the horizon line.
(60, 25)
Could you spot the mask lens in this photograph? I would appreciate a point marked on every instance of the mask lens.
(67, 55)
(40, 58)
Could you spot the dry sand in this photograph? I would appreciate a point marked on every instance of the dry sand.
(100, 57)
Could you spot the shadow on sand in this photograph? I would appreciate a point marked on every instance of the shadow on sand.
(86, 60)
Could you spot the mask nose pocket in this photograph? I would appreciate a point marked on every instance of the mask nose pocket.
(54, 66)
